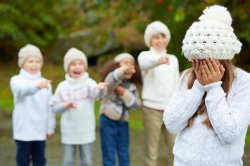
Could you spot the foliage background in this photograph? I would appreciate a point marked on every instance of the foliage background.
(43, 22)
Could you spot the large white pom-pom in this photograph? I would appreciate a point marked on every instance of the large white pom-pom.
(217, 13)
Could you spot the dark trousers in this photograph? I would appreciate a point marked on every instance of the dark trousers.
(30, 150)
(114, 140)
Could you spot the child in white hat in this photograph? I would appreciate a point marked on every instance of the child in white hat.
(33, 121)
(74, 99)
(210, 109)
(122, 96)
(160, 74)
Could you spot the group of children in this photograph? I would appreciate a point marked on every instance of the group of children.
(35, 108)
(208, 110)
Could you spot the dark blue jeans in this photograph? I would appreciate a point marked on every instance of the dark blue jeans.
(114, 139)
(30, 150)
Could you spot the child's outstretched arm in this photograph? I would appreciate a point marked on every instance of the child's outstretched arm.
(147, 61)
(21, 90)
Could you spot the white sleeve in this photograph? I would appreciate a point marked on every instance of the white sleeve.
(56, 103)
(51, 122)
(229, 120)
(21, 90)
(183, 104)
(146, 61)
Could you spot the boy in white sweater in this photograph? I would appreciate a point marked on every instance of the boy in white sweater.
(33, 121)
(160, 74)
(74, 100)
(210, 108)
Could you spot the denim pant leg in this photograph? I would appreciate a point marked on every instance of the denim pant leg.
(69, 155)
(86, 154)
(122, 140)
(23, 151)
(108, 142)
(38, 153)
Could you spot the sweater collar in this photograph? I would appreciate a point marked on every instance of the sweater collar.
(155, 51)
(78, 81)
(26, 74)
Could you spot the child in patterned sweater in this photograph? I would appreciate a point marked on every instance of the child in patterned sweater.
(74, 99)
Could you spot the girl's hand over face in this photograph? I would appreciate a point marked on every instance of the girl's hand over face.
(212, 71)
(197, 70)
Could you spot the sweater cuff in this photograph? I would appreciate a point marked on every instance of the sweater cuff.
(119, 74)
(214, 89)
(127, 98)
(198, 88)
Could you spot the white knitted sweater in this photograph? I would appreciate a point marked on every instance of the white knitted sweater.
(159, 81)
(77, 124)
(230, 116)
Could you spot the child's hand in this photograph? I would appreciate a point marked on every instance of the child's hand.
(69, 105)
(130, 70)
(212, 71)
(163, 60)
(49, 136)
(102, 86)
(197, 70)
(44, 84)
(120, 90)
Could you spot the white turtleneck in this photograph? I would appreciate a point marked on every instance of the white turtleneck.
(32, 118)
(77, 124)
(159, 81)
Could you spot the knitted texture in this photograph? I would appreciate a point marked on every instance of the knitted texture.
(154, 28)
(28, 51)
(212, 36)
(74, 54)
(121, 56)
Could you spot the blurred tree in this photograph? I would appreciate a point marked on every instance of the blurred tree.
(41, 23)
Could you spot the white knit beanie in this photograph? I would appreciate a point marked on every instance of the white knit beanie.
(154, 28)
(212, 36)
(74, 54)
(28, 51)
(121, 56)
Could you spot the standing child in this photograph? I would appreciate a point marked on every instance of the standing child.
(33, 121)
(122, 96)
(210, 108)
(74, 100)
(160, 74)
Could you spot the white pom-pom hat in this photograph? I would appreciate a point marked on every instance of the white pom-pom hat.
(74, 54)
(121, 56)
(28, 51)
(154, 28)
(212, 36)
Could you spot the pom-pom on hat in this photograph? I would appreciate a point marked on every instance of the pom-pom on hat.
(212, 36)
(154, 28)
(121, 56)
(74, 54)
(28, 51)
